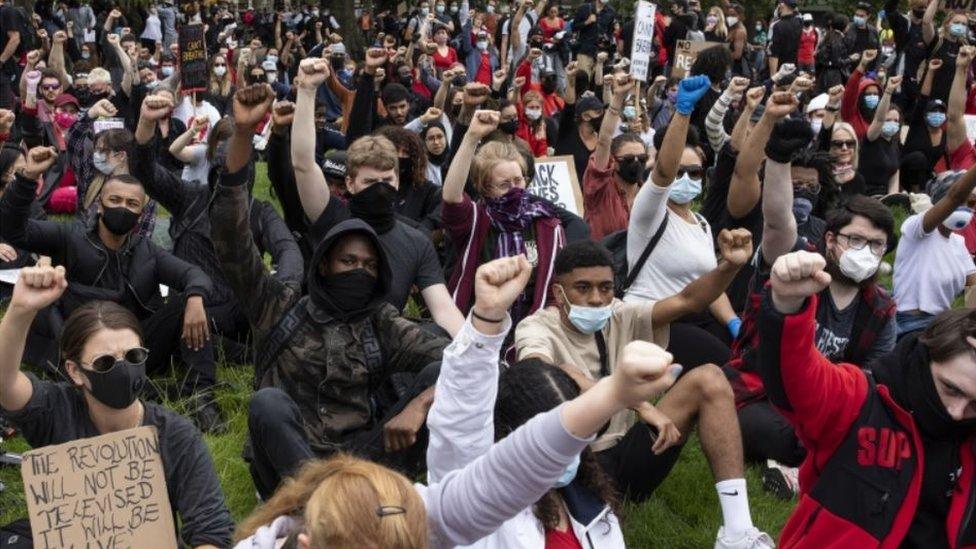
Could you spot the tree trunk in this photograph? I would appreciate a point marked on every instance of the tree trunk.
(352, 36)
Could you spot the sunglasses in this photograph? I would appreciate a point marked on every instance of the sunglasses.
(105, 363)
(50, 86)
(694, 172)
(846, 144)
(642, 158)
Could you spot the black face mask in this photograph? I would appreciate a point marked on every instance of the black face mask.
(344, 294)
(460, 81)
(918, 13)
(509, 126)
(119, 386)
(375, 205)
(406, 81)
(595, 123)
(631, 171)
(119, 221)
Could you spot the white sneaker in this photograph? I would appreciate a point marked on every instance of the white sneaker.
(751, 539)
(780, 480)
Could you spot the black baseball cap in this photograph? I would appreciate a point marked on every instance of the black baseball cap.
(334, 164)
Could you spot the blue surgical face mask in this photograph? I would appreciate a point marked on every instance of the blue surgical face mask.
(167, 70)
(684, 189)
(957, 30)
(860, 21)
(272, 58)
(102, 164)
(569, 474)
(588, 320)
(629, 112)
(935, 118)
(890, 128)
(871, 101)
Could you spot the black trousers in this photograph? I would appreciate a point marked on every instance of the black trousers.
(163, 337)
(767, 435)
(279, 443)
(635, 469)
(693, 345)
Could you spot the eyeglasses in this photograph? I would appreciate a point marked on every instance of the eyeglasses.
(220, 64)
(843, 144)
(694, 172)
(642, 158)
(506, 185)
(857, 242)
(813, 188)
(50, 86)
(105, 363)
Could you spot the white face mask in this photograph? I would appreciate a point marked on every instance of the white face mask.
(533, 114)
(859, 265)
(167, 70)
(731, 20)
(816, 124)
(482, 45)
(684, 189)
(220, 70)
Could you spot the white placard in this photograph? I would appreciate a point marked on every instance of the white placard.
(640, 52)
(970, 126)
(103, 124)
(9, 275)
(555, 180)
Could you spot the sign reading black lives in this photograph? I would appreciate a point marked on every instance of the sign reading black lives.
(193, 59)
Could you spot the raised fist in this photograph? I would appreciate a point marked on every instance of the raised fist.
(735, 246)
(431, 115)
(754, 96)
(483, 123)
(475, 93)
(155, 107)
(38, 287)
(39, 160)
(104, 107)
(283, 113)
(781, 104)
(313, 72)
(795, 277)
(498, 283)
(642, 372)
(251, 104)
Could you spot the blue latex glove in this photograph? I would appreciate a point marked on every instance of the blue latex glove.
(734, 325)
(690, 90)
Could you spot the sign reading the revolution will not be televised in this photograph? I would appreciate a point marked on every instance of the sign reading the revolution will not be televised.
(640, 52)
(105, 491)
(193, 59)
(555, 180)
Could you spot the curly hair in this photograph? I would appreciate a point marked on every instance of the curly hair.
(408, 142)
(527, 389)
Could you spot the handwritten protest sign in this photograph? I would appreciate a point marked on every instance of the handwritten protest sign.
(193, 59)
(640, 52)
(555, 180)
(685, 53)
(951, 6)
(105, 491)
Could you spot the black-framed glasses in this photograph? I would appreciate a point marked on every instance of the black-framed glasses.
(858, 242)
(843, 143)
(694, 172)
(641, 158)
(105, 363)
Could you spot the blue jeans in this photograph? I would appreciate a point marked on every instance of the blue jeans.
(908, 323)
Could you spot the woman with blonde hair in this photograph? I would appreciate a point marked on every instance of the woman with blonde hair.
(715, 29)
(347, 502)
(505, 221)
(221, 87)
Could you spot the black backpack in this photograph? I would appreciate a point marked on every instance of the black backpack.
(623, 276)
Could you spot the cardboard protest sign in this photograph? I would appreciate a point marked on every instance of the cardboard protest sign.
(193, 59)
(685, 53)
(640, 52)
(970, 126)
(105, 491)
(555, 180)
(951, 6)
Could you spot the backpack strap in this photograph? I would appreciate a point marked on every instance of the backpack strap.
(632, 274)
(280, 335)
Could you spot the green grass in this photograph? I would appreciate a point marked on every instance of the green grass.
(684, 511)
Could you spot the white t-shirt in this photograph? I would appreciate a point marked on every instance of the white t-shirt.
(197, 169)
(153, 30)
(184, 111)
(930, 269)
(684, 253)
(528, 21)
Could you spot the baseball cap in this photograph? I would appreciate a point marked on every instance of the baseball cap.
(807, 17)
(334, 164)
(66, 99)
(588, 103)
(817, 103)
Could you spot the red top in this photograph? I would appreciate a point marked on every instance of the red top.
(808, 45)
(548, 30)
(604, 205)
(484, 70)
(562, 540)
(444, 62)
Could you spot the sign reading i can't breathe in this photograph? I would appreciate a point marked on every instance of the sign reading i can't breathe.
(555, 180)
(105, 491)
(640, 52)
(193, 59)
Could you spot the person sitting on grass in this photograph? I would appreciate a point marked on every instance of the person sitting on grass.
(105, 362)
(324, 361)
(348, 502)
(891, 455)
(107, 259)
(588, 328)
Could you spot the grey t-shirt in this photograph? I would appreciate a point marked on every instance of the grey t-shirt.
(410, 253)
(57, 413)
(834, 328)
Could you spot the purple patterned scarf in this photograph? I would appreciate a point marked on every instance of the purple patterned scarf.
(510, 215)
